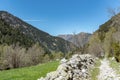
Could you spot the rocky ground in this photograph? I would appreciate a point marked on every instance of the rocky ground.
(106, 72)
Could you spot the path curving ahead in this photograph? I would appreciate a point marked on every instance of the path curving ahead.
(106, 72)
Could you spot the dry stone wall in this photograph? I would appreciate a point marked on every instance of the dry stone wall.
(76, 68)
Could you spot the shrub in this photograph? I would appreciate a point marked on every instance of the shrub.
(15, 56)
(116, 47)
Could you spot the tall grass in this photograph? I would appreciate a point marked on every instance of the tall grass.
(95, 71)
(115, 65)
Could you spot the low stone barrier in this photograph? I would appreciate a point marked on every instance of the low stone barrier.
(76, 68)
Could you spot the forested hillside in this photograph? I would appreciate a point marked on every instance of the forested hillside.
(106, 40)
(23, 45)
(13, 30)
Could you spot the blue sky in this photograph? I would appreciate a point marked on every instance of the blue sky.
(61, 16)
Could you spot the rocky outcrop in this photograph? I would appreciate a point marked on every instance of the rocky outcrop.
(76, 68)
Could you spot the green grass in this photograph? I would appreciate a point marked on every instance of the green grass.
(29, 73)
(95, 71)
(115, 65)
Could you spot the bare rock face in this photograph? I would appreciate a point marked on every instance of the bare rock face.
(76, 68)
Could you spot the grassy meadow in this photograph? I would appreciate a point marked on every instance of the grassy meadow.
(29, 73)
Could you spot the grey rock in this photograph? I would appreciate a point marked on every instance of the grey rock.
(76, 68)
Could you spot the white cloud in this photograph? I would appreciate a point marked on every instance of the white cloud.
(30, 20)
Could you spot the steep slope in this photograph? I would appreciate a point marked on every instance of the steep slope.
(79, 39)
(106, 40)
(13, 30)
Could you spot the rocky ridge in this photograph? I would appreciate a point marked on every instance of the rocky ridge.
(76, 68)
(78, 39)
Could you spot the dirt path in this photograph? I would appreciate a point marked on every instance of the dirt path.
(106, 72)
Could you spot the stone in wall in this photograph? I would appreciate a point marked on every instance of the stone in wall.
(76, 68)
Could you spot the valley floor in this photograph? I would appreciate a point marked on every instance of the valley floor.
(29, 73)
(107, 72)
(105, 69)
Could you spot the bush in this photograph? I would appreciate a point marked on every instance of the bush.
(116, 47)
(56, 55)
(15, 56)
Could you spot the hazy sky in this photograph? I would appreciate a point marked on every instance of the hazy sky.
(61, 16)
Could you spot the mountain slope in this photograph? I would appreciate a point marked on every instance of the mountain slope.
(13, 30)
(106, 40)
(79, 39)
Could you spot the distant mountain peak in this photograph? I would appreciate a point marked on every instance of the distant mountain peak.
(79, 39)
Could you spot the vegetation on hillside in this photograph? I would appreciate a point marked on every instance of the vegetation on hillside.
(10, 35)
(23, 45)
(13, 30)
(106, 40)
